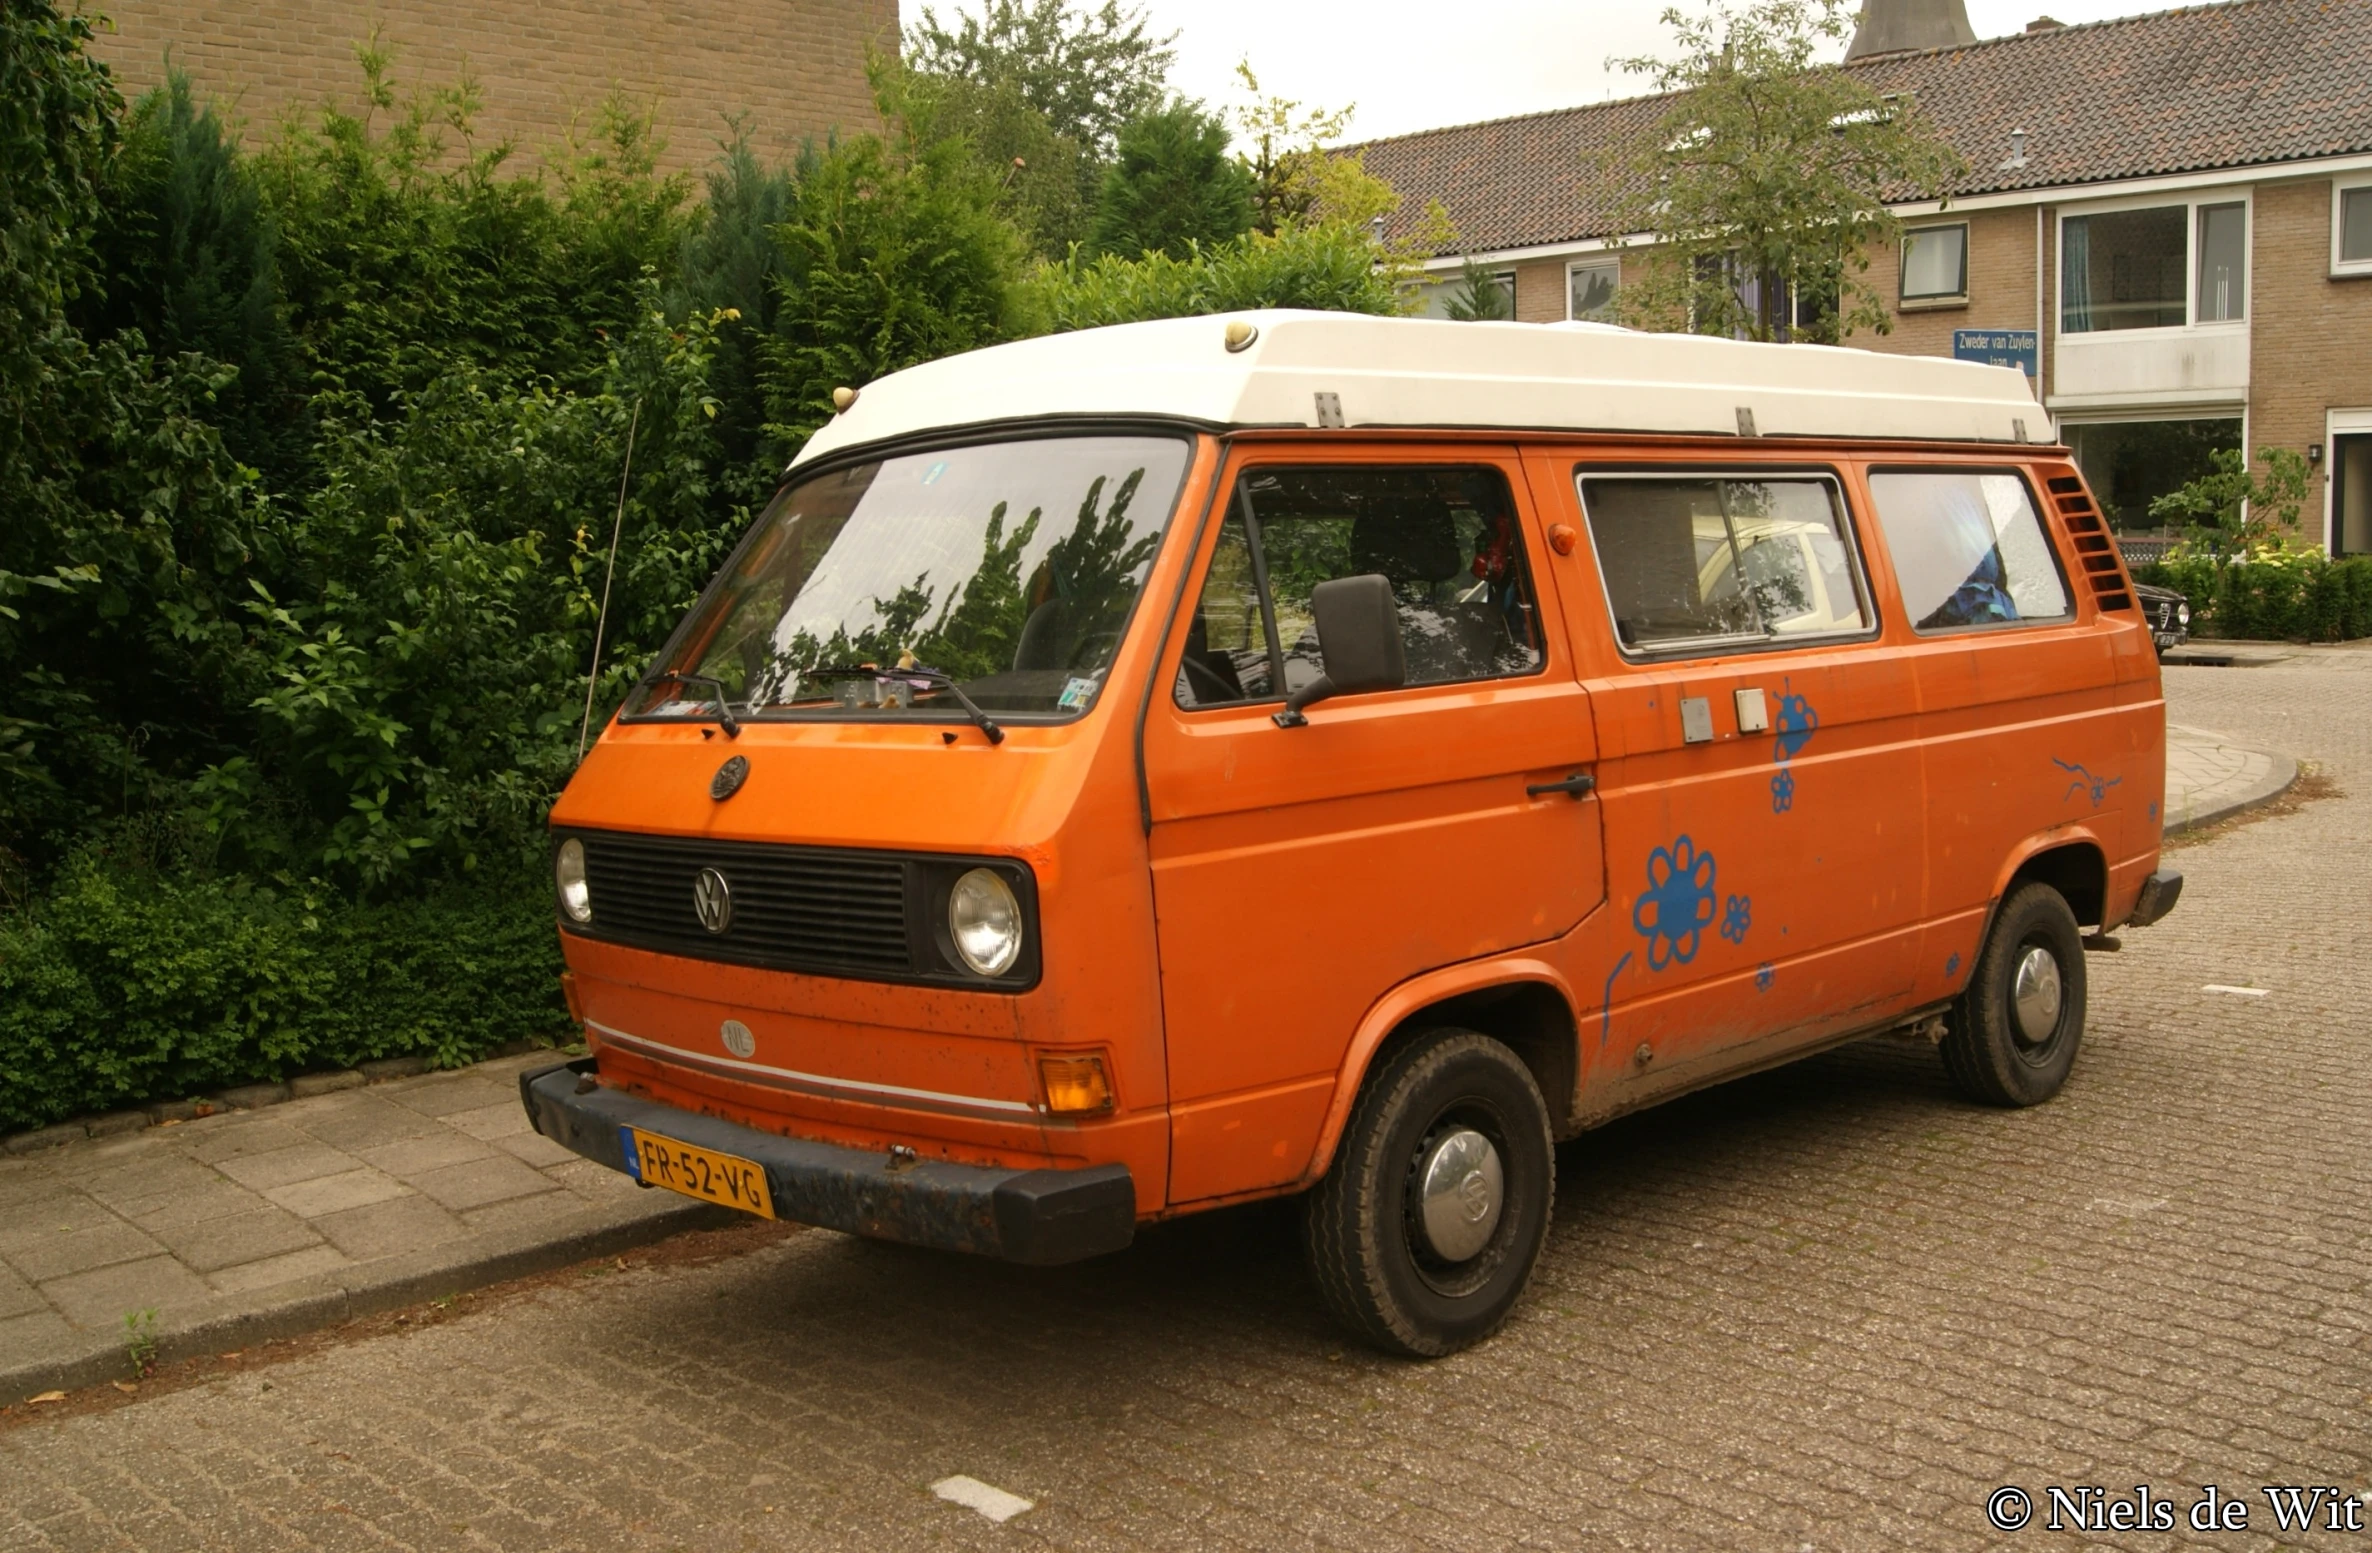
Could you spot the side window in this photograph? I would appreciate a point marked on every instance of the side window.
(1448, 539)
(1968, 549)
(1711, 560)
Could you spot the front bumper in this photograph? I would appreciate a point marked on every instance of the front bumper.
(1039, 1217)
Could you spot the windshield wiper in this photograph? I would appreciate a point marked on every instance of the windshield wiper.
(980, 719)
(714, 686)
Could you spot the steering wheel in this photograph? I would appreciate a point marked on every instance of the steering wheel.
(1220, 690)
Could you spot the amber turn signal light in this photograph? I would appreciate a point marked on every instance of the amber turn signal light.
(1075, 1084)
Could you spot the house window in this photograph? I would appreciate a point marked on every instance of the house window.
(1935, 264)
(2124, 270)
(2351, 230)
(2130, 464)
(1590, 287)
(2223, 263)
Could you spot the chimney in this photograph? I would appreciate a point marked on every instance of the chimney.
(1893, 26)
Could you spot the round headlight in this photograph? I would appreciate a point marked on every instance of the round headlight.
(568, 872)
(2182, 613)
(985, 921)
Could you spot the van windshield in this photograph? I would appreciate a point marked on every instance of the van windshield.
(1008, 568)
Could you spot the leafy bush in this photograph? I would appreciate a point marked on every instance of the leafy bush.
(309, 460)
(1331, 267)
(894, 255)
(2272, 593)
(1171, 187)
(123, 985)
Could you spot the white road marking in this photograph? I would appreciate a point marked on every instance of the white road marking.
(973, 1494)
(2238, 992)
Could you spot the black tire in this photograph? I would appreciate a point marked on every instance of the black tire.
(1992, 1056)
(1361, 1225)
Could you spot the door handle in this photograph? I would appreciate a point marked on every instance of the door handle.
(1578, 785)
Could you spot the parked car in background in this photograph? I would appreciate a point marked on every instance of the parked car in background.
(2168, 613)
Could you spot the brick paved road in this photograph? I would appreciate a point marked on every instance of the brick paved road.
(1828, 1307)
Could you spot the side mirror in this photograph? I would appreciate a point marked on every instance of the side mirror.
(1358, 624)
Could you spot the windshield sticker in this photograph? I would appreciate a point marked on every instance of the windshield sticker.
(931, 475)
(1075, 694)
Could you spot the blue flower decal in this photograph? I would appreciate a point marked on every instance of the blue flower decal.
(1952, 966)
(1737, 916)
(1764, 975)
(1797, 723)
(1782, 792)
(1678, 905)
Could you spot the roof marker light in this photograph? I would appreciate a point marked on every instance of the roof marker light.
(1241, 334)
(842, 398)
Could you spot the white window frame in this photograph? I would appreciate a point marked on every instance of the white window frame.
(2340, 189)
(1592, 262)
(2190, 201)
(2337, 424)
(1908, 303)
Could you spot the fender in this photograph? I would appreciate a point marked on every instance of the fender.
(2035, 846)
(1396, 1005)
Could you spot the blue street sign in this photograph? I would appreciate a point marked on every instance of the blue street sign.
(2020, 348)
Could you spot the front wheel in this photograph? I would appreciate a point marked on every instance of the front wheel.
(1425, 1230)
(2013, 1035)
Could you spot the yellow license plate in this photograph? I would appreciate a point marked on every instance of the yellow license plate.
(696, 1172)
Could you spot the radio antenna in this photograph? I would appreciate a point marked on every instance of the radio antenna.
(601, 621)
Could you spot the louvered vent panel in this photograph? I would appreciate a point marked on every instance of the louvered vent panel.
(2094, 547)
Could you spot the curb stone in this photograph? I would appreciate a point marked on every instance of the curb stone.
(234, 1321)
(2280, 779)
(244, 1097)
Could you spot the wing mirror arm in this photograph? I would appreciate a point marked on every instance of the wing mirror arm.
(1359, 644)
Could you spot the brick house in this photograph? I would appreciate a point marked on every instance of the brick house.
(796, 68)
(2167, 217)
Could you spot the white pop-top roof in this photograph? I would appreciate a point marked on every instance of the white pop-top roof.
(1430, 372)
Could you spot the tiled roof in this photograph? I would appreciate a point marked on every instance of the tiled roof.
(2250, 83)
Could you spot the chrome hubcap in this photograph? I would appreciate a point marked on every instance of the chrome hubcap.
(1461, 1192)
(2035, 996)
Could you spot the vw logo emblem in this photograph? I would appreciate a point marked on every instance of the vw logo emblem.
(738, 1039)
(712, 898)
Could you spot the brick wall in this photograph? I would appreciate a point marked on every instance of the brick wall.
(2000, 285)
(2310, 349)
(797, 67)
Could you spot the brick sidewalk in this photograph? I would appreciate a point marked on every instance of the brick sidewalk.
(253, 1224)
(2209, 777)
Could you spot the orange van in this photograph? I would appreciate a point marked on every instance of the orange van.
(1157, 767)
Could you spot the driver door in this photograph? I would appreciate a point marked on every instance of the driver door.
(1301, 873)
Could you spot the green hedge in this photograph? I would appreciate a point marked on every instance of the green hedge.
(122, 985)
(2299, 595)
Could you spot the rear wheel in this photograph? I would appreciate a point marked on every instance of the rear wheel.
(1425, 1230)
(2013, 1035)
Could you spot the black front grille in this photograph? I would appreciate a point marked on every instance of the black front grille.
(827, 910)
(821, 908)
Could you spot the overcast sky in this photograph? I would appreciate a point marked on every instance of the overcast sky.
(1411, 67)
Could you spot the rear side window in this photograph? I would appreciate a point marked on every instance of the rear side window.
(1968, 549)
(1709, 561)
(1447, 537)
